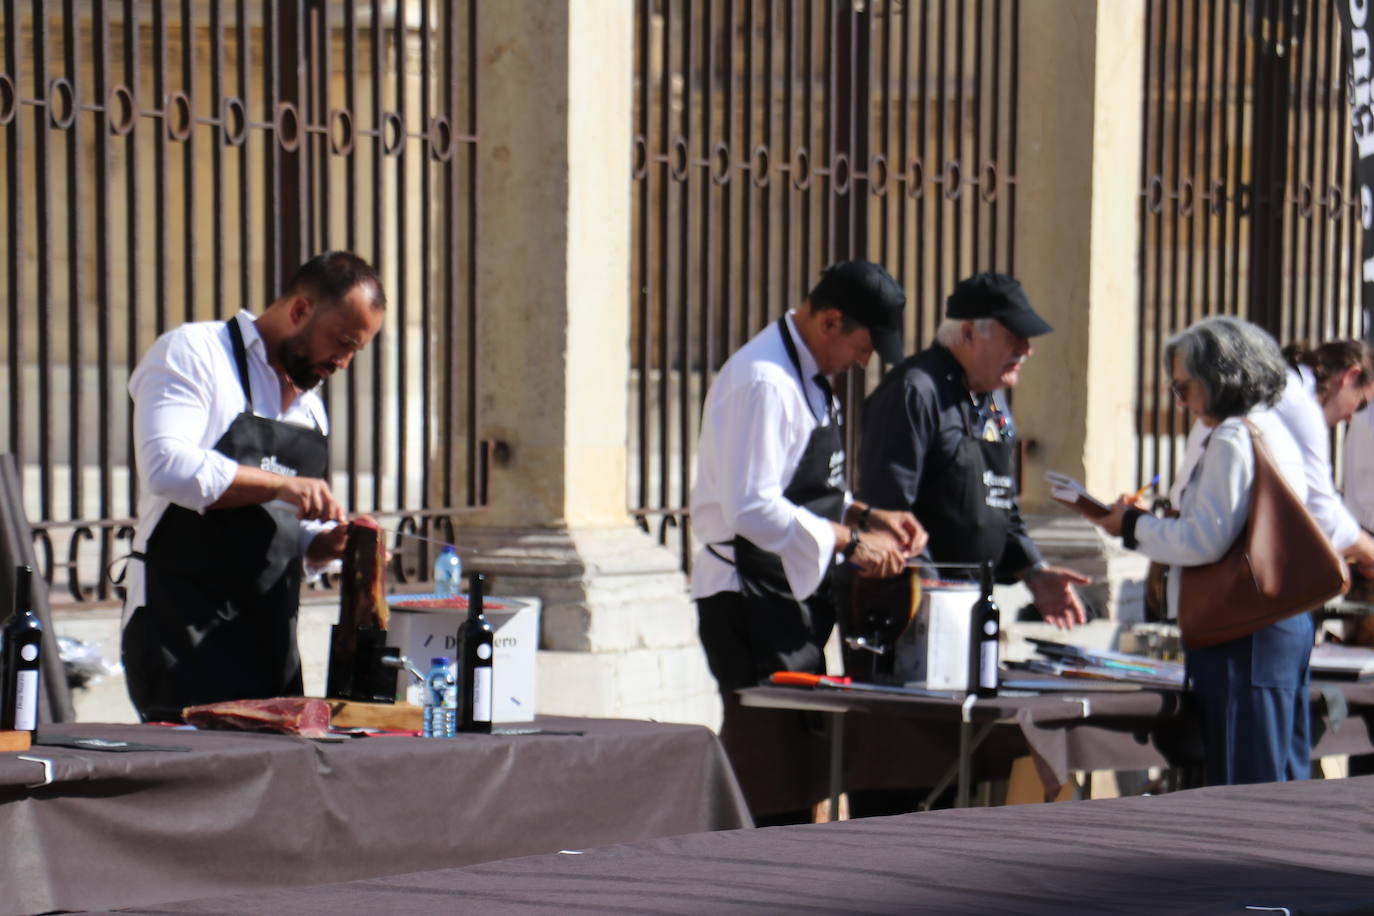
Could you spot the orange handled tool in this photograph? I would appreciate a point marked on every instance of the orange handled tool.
(803, 679)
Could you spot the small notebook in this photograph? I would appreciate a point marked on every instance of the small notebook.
(1070, 492)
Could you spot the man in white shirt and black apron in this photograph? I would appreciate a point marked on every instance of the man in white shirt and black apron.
(771, 509)
(232, 456)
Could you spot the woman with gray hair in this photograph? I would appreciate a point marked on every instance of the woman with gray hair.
(1251, 692)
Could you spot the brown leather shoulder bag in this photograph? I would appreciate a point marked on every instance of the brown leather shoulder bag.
(1281, 565)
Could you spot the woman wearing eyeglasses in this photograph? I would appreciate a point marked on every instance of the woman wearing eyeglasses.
(1251, 693)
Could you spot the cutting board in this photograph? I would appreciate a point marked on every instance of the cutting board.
(354, 714)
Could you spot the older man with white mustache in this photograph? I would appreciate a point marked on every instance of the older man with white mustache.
(939, 440)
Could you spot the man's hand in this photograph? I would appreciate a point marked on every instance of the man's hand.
(910, 536)
(1361, 554)
(327, 545)
(1055, 598)
(878, 556)
(312, 499)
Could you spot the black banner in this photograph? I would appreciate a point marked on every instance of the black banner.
(1356, 23)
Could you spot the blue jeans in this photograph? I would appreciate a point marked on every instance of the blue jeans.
(1252, 697)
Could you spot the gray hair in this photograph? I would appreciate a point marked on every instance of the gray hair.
(948, 331)
(1237, 363)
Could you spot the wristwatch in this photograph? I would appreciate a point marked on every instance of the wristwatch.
(853, 544)
(862, 520)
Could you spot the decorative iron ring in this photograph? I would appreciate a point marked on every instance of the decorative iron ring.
(121, 110)
(340, 131)
(1305, 199)
(1154, 194)
(9, 99)
(393, 133)
(61, 103)
(678, 160)
(233, 121)
(720, 174)
(82, 532)
(1245, 197)
(1216, 202)
(987, 185)
(1185, 197)
(801, 168)
(440, 136)
(915, 177)
(758, 164)
(287, 125)
(953, 179)
(840, 174)
(179, 117)
(639, 157)
(1335, 201)
(877, 175)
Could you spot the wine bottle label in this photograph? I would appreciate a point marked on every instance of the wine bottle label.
(26, 701)
(987, 669)
(481, 694)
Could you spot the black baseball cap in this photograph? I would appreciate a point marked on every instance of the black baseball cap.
(868, 294)
(988, 295)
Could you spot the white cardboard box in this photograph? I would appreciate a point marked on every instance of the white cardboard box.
(934, 648)
(424, 634)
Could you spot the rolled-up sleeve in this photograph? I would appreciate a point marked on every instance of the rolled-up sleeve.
(754, 458)
(172, 412)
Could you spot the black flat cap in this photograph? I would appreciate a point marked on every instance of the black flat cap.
(988, 295)
(869, 295)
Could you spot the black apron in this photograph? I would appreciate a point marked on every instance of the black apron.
(223, 588)
(967, 509)
(817, 485)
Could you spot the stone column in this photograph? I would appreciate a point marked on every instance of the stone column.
(618, 632)
(1077, 238)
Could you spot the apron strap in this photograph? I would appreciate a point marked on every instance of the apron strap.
(240, 359)
(796, 364)
(711, 549)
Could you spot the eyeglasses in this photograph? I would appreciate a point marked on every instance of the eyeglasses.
(1180, 388)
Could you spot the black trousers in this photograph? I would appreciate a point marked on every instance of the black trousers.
(778, 755)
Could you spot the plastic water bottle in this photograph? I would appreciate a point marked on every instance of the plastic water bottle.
(441, 699)
(448, 572)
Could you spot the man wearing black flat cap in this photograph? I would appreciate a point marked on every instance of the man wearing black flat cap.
(771, 510)
(939, 440)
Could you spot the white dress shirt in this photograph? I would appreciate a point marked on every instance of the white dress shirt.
(186, 394)
(755, 427)
(1302, 414)
(1216, 499)
(1359, 467)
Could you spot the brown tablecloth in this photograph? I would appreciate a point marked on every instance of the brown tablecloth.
(894, 741)
(1305, 846)
(237, 811)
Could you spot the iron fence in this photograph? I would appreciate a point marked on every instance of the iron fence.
(1245, 186)
(170, 162)
(772, 138)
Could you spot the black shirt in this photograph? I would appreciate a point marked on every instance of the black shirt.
(912, 425)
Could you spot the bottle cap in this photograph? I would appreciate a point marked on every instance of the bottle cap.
(441, 660)
(448, 548)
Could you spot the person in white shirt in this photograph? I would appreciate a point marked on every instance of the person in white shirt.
(770, 508)
(1326, 386)
(1251, 692)
(231, 455)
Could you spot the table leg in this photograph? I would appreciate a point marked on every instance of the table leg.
(963, 767)
(836, 723)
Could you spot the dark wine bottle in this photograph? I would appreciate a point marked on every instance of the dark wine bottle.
(984, 624)
(22, 639)
(475, 648)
